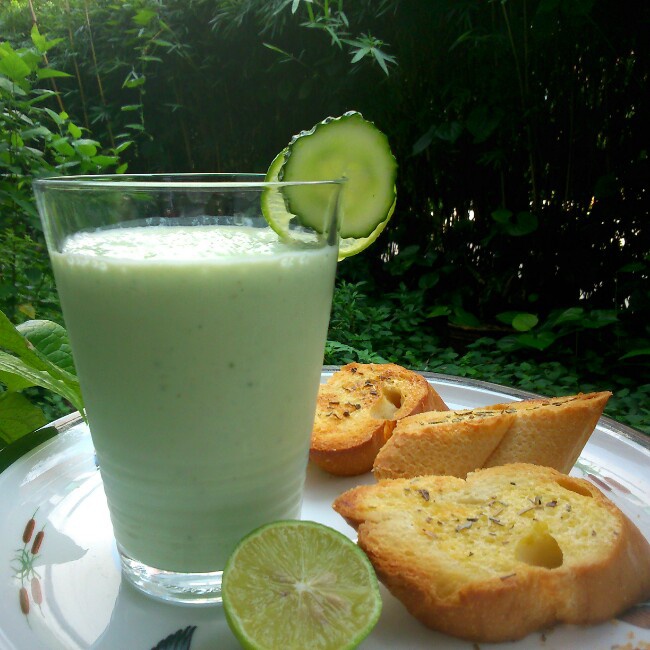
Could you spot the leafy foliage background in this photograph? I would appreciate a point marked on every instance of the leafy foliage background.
(520, 248)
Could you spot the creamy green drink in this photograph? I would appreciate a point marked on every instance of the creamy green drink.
(199, 351)
(197, 307)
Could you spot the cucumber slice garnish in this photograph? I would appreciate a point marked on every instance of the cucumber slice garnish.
(346, 147)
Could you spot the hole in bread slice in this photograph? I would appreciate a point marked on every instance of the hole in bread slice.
(539, 548)
(574, 486)
(389, 403)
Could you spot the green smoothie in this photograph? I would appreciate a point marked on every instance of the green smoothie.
(199, 352)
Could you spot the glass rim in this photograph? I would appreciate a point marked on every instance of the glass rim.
(165, 181)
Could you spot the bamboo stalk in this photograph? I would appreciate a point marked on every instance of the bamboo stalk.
(82, 93)
(55, 88)
(97, 76)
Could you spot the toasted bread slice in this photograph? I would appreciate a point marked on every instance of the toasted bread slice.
(549, 432)
(509, 550)
(357, 411)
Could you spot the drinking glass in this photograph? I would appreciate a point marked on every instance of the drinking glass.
(198, 335)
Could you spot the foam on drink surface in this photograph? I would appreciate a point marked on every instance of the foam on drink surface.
(167, 243)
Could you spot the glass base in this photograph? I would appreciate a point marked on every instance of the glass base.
(170, 586)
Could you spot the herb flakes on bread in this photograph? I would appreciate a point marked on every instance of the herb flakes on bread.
(358, 409)
(550, 432)
(509, 550)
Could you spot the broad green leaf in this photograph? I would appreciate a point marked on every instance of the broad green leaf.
(12, 65)
(502, 215)
(41, 42)
(69, 391)
(570, 315)
(74, 130)
(63, 147)
(104, 161)
(523, 321)
(51, 340)
(438, 310)
(524, 224)
(30, 364)
(14, 383)
(38, 40)
(18, 417)
(641, 352)
(144, 17)
(506, 317)
(538, 340)
(58, 119)
(85, 147)
(11, 87)
(464, 318)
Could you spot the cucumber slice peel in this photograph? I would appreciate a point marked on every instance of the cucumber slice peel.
(346, 147)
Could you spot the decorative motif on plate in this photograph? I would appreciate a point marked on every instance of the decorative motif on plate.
(30, 590)
(179, 640)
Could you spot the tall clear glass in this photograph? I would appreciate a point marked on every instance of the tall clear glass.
(198, 338)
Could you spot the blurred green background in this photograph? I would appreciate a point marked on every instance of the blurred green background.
(519, 251)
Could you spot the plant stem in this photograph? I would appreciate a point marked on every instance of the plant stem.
(52, 80)
(99, 80)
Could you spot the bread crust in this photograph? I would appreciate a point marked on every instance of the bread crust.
(357, 411)
(548, 431)
(596, 580)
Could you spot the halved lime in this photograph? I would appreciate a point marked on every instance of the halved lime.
(298, 585)
(347, 147)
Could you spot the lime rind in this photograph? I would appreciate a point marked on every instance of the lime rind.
(299, 584)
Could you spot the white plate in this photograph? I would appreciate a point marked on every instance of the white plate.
(84, 603)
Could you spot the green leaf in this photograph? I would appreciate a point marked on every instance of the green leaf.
(104, 161)
(18, 417)
(571, 315)
(438, 310)
(85, 147)
(74, 130)
(63, 147)
(14, 383)
(11, 87)
(133, 80)
(538, 340)
(464, 318)
(31, 365)
(58, 119)
(525, 223)
(123, 146)
(12, 65)
(41, 42)
(641, 352)
(523, 321)
(144, 17)
(51, 340)
(49, 73)
(506, 317)
(68, 390)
